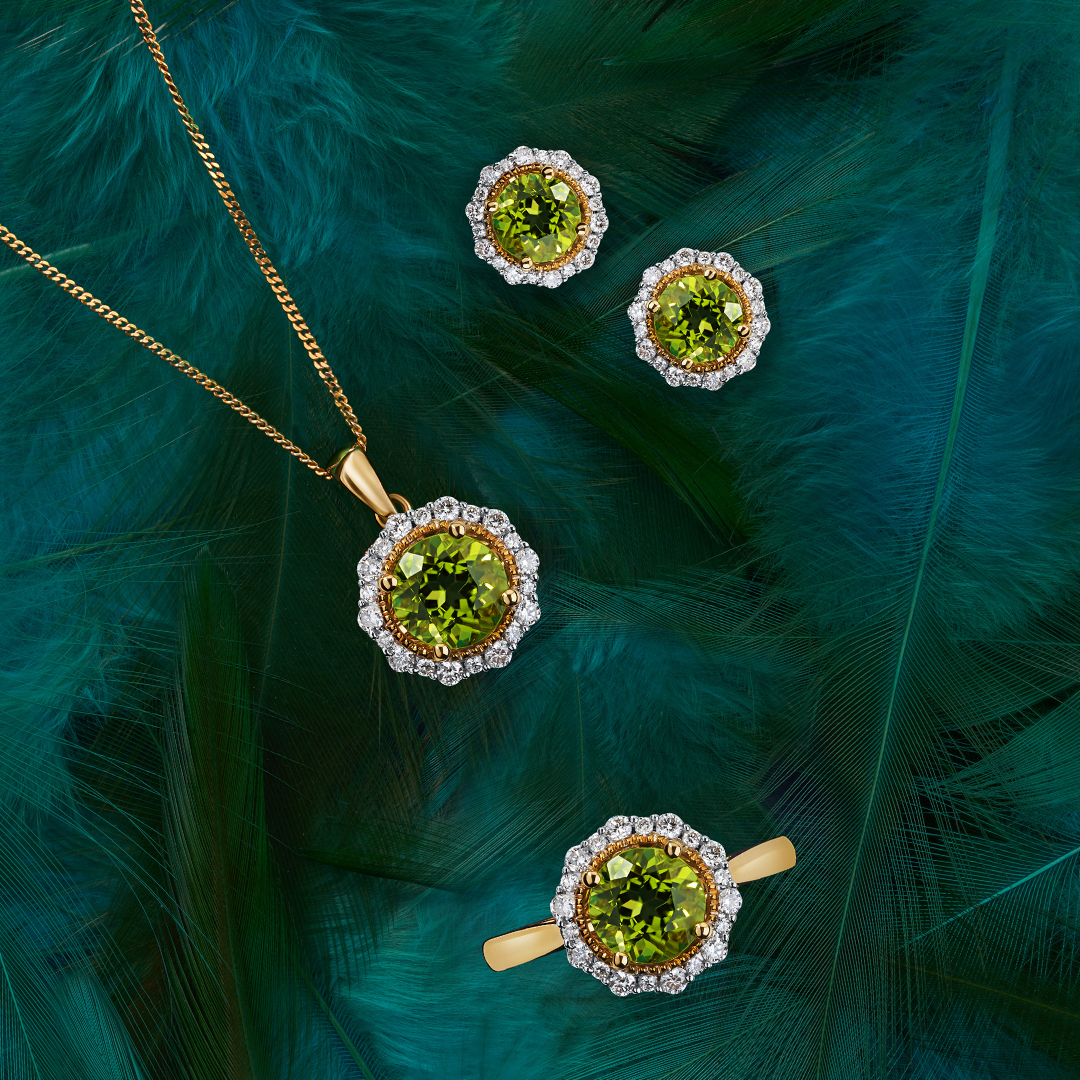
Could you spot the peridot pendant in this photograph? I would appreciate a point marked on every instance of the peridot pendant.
(448, 589)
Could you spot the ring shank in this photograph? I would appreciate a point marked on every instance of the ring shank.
(539, 939)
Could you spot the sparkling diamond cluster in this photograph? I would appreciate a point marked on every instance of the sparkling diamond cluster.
(684, 278)
(572, 198)
(673, 976)
(449, 591)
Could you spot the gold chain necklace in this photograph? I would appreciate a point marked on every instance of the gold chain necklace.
(423, 556)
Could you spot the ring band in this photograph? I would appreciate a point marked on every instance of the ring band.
(678, 872)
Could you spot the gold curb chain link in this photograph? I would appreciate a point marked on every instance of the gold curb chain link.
(307, 338)
(99, 307)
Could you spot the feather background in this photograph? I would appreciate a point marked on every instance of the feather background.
(836, 600)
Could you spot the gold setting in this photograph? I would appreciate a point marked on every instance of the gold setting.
(493, 200)
(441, 651)
(652, 306)
(581, 902)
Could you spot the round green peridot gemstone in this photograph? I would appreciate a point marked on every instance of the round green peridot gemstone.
(647, 904)
(698, 318)
(537, 218)
(450, 590)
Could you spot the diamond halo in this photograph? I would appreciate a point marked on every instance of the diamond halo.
(380, 565)
(713, 265)
(570, 906)
(551, 164)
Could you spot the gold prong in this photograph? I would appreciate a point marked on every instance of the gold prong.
(549, 172)
(652, 306)
(744, 330)
(590, 878)
(441, 651)
(492, 206)
(702, 930)
(582, 229)
(526, 263)
(511, 597)
(686, 363)
(621, 960)
(388, 582)
(673, 848)
(457, 529)
(711, 273)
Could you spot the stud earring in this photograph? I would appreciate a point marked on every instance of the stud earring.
(699, 318)
(537, 217)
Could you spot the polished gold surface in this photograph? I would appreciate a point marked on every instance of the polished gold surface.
(673, 848)
(526, 263)
(492, 206)
(457, 529)
(686, 363)
(511, 597)
(744, 331)
(653, 306)
(539, 939)
(621, 960)
(521, 946)
(710, 273)
(354, 470)
(772, 857)
(582, 229)
(388, 582)
(548, 172)
(441, 650)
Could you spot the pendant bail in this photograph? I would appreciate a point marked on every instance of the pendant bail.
(353, 469)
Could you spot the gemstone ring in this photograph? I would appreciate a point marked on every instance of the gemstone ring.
(645, 904)
(537, 217)
(699, 318)
(448, 589)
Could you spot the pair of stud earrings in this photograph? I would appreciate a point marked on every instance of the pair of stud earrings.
(699, 318)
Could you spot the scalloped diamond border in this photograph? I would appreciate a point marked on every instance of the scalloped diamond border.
(674, 976)
(403, 652)
(553, 274)
(744, 358)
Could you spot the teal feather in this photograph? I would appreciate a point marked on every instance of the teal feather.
(835, 600)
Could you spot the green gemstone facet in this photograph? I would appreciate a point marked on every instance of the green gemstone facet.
(450, 590)
(537, 218)
(647, 904)
(698, 318)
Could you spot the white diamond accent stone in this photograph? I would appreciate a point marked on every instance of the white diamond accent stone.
(623, 984)
(450, 673)
(528, 561)
(370, 617)
(673, 981)
(446, 509)
(670, 825)
(713, 854)
(617, 828)
(642, 825)
(498, 655)
(730, 902)
(426, 667)
(496, 521)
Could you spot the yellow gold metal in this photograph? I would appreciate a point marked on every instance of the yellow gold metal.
(354, 470)
(441, 651)
(492, 206)
(530, 942)
(652, 306)
(457, 529)
(521, 946)
(511, 597)
(710, 273)
(403, 505)
(621, 960)
(673, 849)
(583, 200)
(772, 857)
(388, 582)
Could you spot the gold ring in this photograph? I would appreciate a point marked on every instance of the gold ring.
(645, 904)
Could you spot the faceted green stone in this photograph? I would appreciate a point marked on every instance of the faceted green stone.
(646, 904)
(698, 318)
(450, 590)
(537, 218)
